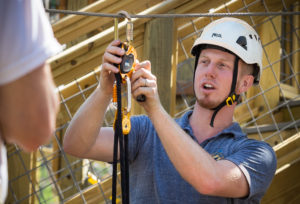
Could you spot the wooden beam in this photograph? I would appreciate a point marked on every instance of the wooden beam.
(272, 127)
(289, 92)
(288, 150)
(72, 27)
(72, 19)
(285, 186)
(86, 55)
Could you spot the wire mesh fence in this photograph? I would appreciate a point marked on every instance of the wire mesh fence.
(268, 112)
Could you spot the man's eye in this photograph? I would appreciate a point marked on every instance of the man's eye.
(222, 66)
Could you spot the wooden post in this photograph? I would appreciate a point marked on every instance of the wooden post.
(62, 6)
(158, 48)
(21, 186)
(173, 76)
(296, 45)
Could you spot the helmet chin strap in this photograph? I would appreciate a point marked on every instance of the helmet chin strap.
(232, 97)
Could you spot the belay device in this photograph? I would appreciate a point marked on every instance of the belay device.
(122, 124)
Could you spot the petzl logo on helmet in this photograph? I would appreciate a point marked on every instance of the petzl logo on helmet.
(218, 35)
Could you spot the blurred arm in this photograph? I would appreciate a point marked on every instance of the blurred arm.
(28, 108)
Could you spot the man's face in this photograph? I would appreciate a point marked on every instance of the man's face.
(213, 77)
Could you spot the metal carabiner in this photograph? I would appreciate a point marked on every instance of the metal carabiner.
(128, 83)
(129, 26)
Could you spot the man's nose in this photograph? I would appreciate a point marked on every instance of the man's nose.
(211, 70)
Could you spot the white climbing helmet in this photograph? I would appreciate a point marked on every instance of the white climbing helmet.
(236, 36)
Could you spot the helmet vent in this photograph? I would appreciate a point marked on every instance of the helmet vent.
(242, 41)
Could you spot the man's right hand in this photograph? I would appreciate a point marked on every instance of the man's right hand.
(111, 57)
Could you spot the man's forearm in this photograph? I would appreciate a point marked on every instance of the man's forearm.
(86, 123)
(191, 161)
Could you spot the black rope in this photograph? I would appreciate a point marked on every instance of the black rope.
(115, 154)
(126, 169)
(122, 140)
(188, 15)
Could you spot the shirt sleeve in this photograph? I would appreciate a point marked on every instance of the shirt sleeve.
(139, 130)
(26, 38)
(257, 161)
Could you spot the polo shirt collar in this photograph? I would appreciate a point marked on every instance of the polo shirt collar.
(234, 130)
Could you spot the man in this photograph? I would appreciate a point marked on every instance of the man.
(202, 157)
(28, 102)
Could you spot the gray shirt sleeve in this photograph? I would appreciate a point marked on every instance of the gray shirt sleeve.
(257, 161)
(137, 136)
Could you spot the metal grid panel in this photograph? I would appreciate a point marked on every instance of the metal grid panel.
(52, 176)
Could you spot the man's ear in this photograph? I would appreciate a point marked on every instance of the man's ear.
(245, 83)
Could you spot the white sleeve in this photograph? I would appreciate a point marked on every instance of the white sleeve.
(26, 38)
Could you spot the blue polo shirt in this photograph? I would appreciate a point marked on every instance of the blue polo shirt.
(154, 179)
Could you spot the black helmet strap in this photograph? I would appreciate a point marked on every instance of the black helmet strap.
(232, 97)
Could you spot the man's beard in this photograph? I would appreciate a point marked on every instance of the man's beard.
(206, 103)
